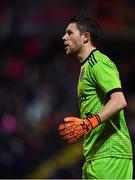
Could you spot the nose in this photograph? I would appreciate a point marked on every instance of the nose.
(64, 37)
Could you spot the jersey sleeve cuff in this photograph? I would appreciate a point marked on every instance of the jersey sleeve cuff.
(113, 91)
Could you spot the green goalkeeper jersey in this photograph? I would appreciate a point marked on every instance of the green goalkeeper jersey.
(99, 78)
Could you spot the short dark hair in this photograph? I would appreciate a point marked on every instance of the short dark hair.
(86, 24)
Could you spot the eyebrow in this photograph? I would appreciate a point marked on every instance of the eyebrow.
(69, 31)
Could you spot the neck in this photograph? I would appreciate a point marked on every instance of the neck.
(84, 53)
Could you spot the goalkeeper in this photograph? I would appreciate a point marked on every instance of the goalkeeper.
(107, 146)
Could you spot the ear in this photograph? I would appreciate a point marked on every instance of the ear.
(86, 37)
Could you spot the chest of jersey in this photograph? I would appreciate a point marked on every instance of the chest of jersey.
(89, 94)
(86, 86)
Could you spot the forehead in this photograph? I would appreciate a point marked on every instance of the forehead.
(72, 27)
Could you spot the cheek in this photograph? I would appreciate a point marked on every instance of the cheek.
(77, 43)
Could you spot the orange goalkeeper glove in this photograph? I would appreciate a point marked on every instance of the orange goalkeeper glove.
(74, 128)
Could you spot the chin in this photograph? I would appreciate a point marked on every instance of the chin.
(69, 52)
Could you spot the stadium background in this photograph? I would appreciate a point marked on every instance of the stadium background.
(38, 81)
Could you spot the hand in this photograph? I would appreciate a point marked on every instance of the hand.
(74, 128)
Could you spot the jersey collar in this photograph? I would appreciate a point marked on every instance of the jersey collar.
(88, 56)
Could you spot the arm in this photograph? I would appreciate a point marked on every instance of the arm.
(116, 103)
(74, 128)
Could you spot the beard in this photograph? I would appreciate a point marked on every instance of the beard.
(72, 51)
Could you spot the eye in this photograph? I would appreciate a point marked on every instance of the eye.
(69, 32)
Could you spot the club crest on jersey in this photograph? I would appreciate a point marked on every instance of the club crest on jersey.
(81, 74)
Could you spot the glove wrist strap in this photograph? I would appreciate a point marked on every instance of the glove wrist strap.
(94, 120)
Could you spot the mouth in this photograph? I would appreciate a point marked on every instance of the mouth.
(66, 46)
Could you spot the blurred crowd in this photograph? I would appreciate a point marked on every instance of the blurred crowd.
(38, 82)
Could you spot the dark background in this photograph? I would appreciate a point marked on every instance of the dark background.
(38, 81)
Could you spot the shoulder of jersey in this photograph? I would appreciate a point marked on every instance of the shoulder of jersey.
(96, 58)
(92, 60)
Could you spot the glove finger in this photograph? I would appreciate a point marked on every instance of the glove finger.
(69, 119)
(73, 140)
(81, 132)
(72, 119)
(68, 129)
(61, 127)
(74, 137)
(65, 128)
(62, 133)
(73, 126)
(75, 134)
(68, 137)
(69, 124)
(65, 132)
(77, 127)
(77, 131)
